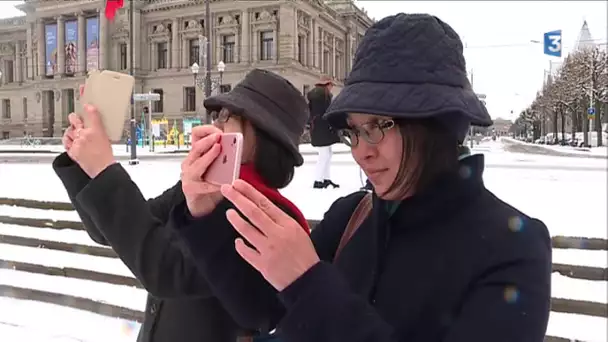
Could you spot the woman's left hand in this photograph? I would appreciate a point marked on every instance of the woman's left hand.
(282, 251)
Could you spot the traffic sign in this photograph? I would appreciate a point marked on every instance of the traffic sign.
(590, 111)
(146, 97)
(553, 43)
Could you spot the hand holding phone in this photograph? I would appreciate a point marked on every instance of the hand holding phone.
(226, 167)
(214, 159)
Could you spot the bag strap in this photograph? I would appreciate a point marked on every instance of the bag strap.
(356, 219)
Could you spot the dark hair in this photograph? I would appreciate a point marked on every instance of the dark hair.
(428, 151)
(273, 161)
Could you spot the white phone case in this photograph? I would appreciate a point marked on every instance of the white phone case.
(110, 92)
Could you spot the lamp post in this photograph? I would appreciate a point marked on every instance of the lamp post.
(200, 81)
(133, 160)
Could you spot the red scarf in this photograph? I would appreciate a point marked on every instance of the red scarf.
(250, 175)
(112, 6)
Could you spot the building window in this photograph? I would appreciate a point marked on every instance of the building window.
(71, 108)
(6, 135)
(10, 72)
(157, 106)
(162, 56)
(189, 99)
(123, 56)
(301, 49)
(305, 89)
(6, 109)
(194, 50)
(266, 45)
(225, 88)
(25, 109)
(325, 67)
(228, 44)
(338, 67)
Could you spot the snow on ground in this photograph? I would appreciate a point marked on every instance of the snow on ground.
(568, 194)
(595, 151)
(28, 321)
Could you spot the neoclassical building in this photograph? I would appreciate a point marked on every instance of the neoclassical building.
(45, 54)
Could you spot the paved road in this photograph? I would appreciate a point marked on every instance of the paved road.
(514, 146)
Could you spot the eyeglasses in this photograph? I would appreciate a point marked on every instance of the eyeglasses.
(220, 117)
(372, 132)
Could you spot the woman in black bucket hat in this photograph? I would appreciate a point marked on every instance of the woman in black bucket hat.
(429, 255)
(181, 307)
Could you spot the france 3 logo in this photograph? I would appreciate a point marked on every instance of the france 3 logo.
(553, 43)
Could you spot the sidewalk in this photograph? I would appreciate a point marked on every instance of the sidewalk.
(121, 150)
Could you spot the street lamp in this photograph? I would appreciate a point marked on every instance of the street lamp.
(199, 80)
(221, 67)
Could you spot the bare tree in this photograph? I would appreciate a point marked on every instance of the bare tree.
(580, 83)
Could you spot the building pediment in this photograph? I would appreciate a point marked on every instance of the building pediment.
(7, 49)
(160, 32)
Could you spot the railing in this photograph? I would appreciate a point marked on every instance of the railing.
(32, 141)
(557, 304)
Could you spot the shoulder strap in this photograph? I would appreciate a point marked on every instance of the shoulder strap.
(356, 219)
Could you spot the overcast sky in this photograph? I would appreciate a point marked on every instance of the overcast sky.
(507, 67)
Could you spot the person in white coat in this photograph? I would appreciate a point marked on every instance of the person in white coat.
(322, 136)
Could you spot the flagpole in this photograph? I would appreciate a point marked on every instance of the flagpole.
(208, 48)
(133, 160)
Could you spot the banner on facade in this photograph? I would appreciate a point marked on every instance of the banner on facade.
(71, 46)
(50, 33)
(92, 47)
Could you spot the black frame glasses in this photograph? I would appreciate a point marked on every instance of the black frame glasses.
(372, 132)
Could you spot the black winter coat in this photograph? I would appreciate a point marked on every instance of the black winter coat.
(115, 213)
(452, 264)
(321, 133)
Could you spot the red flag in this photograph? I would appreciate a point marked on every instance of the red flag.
(112, 6)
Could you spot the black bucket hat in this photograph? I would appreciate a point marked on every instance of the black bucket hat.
(410, 66)
(271, 103)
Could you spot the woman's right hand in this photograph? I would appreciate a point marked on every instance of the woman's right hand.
(201, 197)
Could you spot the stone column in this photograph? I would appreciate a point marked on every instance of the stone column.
(287, 38)
(117, 54)
(310, 44)
(185, 52)
(41, 49)
(255, 45)
(137, 39)
(18, 64)
(321, 48)
(276, 45)
(153, 56)
(82, 43)
(333, 57)
(58, 125)
(60, 46)
(29, 71)
(175, 64)
(103, 41)
(4, 79)
(245, 44)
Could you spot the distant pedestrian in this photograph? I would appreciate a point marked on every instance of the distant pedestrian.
(321, 134)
